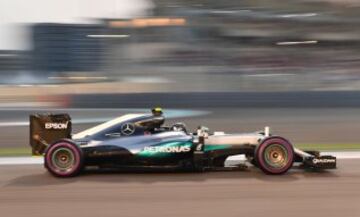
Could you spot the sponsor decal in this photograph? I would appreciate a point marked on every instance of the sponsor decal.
(56, 126)
(170, 149)
(128, 129)
(323, 160)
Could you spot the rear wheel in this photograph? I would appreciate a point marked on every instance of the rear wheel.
(64, 159)
(275, 155)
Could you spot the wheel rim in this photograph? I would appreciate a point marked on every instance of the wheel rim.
(63, 159)
(276, 156)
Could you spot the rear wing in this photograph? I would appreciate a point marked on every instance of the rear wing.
(46, 129)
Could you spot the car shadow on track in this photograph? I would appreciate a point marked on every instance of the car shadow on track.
(151, 177)
(41, 179)
(147, 177)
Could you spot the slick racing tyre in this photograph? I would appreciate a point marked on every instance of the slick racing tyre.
(64, 159)
(274, 156)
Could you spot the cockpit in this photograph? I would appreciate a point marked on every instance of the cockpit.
(130, 125)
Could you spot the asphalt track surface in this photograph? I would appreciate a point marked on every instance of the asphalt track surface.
(289, 99)
(300, 125)
(303, 117)
(28, 190)
(31, 191)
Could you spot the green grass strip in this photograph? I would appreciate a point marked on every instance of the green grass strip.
(18, 151)
(329, 147)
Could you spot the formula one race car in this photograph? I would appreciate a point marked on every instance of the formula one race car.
(141, 141)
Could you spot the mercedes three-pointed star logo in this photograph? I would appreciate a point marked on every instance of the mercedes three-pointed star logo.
(127, 129)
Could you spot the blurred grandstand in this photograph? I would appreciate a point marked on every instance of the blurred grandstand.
(203, 45)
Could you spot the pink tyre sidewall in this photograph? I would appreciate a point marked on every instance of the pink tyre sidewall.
(260, 155)
(77, 159)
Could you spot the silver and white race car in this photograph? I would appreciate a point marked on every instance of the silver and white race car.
(141, 141)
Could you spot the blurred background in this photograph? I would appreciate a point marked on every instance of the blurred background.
(231, 65)
(201, 45)
(289, 64)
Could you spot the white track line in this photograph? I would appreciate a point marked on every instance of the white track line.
(40, 160)
(344, 154)
(337, 154)
(21, 160)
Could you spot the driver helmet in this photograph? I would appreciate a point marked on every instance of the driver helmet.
(157, 111)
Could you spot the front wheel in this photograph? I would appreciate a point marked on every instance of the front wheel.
(64, 159)
(275, 155)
